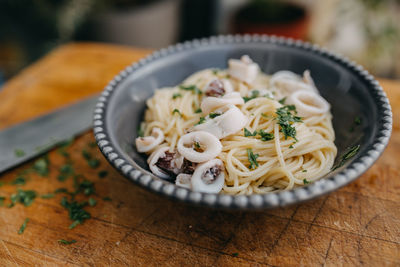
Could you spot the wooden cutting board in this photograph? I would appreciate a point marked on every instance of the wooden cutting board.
(356, 225)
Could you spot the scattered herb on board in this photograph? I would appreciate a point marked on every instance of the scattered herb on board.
(265, 136)
(76, 212)
(2, 201)
(176, 95)
(252, 158)
(92, 202)
(202, 120)
(41, 166)
(19, 153)
(102, 174)
(61, 190)
(25, 197)
(198, 110)
(351, 152)
(286, 118)
(20, 180)
(282, 101)
(192, 88)
(66, 242)
(235, 254)
(176, 111)
(92, 162)
(254, 94)
(106, 198)
(47, 196)
(86, 187)
(65, 172)
(305, 181)
(214, 115)
(247, 133)
(23, 226)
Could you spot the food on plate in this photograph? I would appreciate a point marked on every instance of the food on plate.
(239, 131)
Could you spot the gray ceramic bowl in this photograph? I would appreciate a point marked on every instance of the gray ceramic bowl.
(347, 86)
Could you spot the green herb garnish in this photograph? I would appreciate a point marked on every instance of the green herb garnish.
(19, 153)
(92, 202)
(215, 71)
(291, 146)
(2, 201)
(235, 254)
(192, 88)
(23, 226)
(176, 95)
(66, 242)
(254, 94)
(86, 187)
(357, 120)
(102, 174)
(76, 212)
(65, 172)
(286, 118)
(304, 170)
(202, 120)
(265, 136)
(198, 110)
(106, 198)
(282, 101)
(61, 190)
(247, 133)
(25, 197)
(214, 115)
(140, 131)
(20, 180)
(41, 166)
(252, 158)
(351, 152)
(176, 111)
(305, 181)
(197, 145)
(92, 162)
(47, 196)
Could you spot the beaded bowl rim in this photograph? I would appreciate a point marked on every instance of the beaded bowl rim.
(256, 201)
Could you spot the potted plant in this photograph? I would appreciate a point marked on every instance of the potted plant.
(272, 17)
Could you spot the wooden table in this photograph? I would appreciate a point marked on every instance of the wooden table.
(356, 225)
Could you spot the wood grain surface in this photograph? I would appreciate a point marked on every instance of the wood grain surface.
(356, 225)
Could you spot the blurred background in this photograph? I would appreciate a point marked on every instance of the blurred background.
(367, 31)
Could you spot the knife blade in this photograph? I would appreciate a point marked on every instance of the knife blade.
(26, 140)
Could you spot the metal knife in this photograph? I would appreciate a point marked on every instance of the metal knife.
(24, 141)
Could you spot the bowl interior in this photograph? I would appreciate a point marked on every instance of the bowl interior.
(344, 89)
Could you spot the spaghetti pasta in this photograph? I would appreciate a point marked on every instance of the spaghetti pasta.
(275, 150)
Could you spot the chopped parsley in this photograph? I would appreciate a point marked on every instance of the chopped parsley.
(305, 181)
(214, 115)
(291, 146)
(265, 136)
(304, 170)
(198, 110)
(76, 212)
(61, 190)
(140, 131)
(252, 158)
(351, 152)
(176, 95)
(197, 145)
(286, 118)
(92, 202)
(106, 198)
(66, 171)
(247, 133)
(192, 88)
(23, 226)
(201, 121)
(102, 174)
(41, 166)
(25, 197)
(92, 162)
(176, 111)
(282, 101)
(254, 94)
(215, 71)
(47, 196)
(86, 187)
(235, 254)
(19, 153)
(20, 180)
(357, 120)
(66, 242)
(2, 201)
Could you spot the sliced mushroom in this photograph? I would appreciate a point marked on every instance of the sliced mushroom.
(209, 144)
(148, 143)
(288, 82)
(229, 122)
(308, 103)
(211, 103)
(209, 177)
(244, 69)
(184, 180)
(165, 164)
(218, 87)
